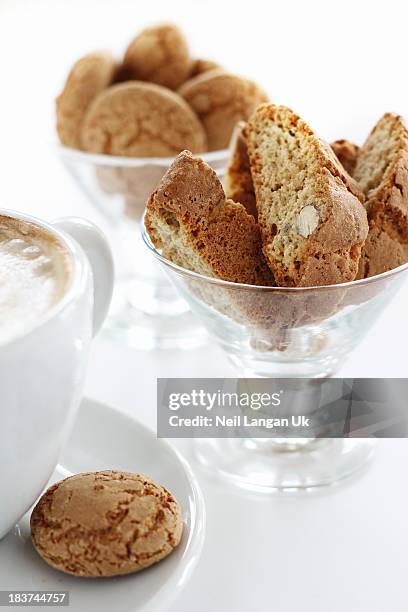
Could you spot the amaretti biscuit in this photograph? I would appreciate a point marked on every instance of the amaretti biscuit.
(160, 55)
(221, 100)
(312, 223)
(382, 172)
(141, 120)
(189, 218)
(346, 152)
(106, 523)
(87, 78)
(238, 179)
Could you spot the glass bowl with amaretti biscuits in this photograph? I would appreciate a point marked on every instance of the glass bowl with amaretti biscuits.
(288, 265)
(120, 125)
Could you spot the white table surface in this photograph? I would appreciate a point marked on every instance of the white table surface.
(344, 549)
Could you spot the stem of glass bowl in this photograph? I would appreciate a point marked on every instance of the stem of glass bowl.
(271, 467)
(288, 464)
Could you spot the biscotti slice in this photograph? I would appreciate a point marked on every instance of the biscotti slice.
(189, 218)
(312, 223)
(382, 171)
(238, 179)
(346, 152)
(239, 185)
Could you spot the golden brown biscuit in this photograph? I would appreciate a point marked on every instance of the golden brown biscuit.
(189, 218)
(87, 78)
(105, 524)
(160, 55)
(346, 152)
(221, 100)
(141, 120)
(382, 171)
(313, 226)
(238, 179)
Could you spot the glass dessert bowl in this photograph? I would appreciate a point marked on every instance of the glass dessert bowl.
(279, 332)
(147, 312)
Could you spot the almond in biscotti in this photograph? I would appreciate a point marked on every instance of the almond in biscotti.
(312, 222)
(197, 228)
(382, 172)
(307, 220)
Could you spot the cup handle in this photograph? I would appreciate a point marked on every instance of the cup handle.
(96, 248)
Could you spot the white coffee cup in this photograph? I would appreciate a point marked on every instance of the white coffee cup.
(42, 369)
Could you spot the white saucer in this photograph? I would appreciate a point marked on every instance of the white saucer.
(105, 439)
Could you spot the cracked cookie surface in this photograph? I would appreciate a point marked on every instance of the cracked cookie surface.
(141, 120)
(87, 78)
(221, 100)
(105, 523)
(160, 55)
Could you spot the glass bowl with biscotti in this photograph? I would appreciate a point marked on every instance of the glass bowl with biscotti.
(290, 263)
(120, 124)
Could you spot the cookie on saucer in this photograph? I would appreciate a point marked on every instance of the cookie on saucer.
(106, 523)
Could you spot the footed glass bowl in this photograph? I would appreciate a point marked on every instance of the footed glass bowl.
(279, 332)
(146, 310)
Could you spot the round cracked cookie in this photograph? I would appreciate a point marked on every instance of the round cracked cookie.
(106, 523)
(221, 100)
(141, 120)
(87, 78)
(160, 55)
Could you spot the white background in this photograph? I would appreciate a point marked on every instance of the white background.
(340, 65)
